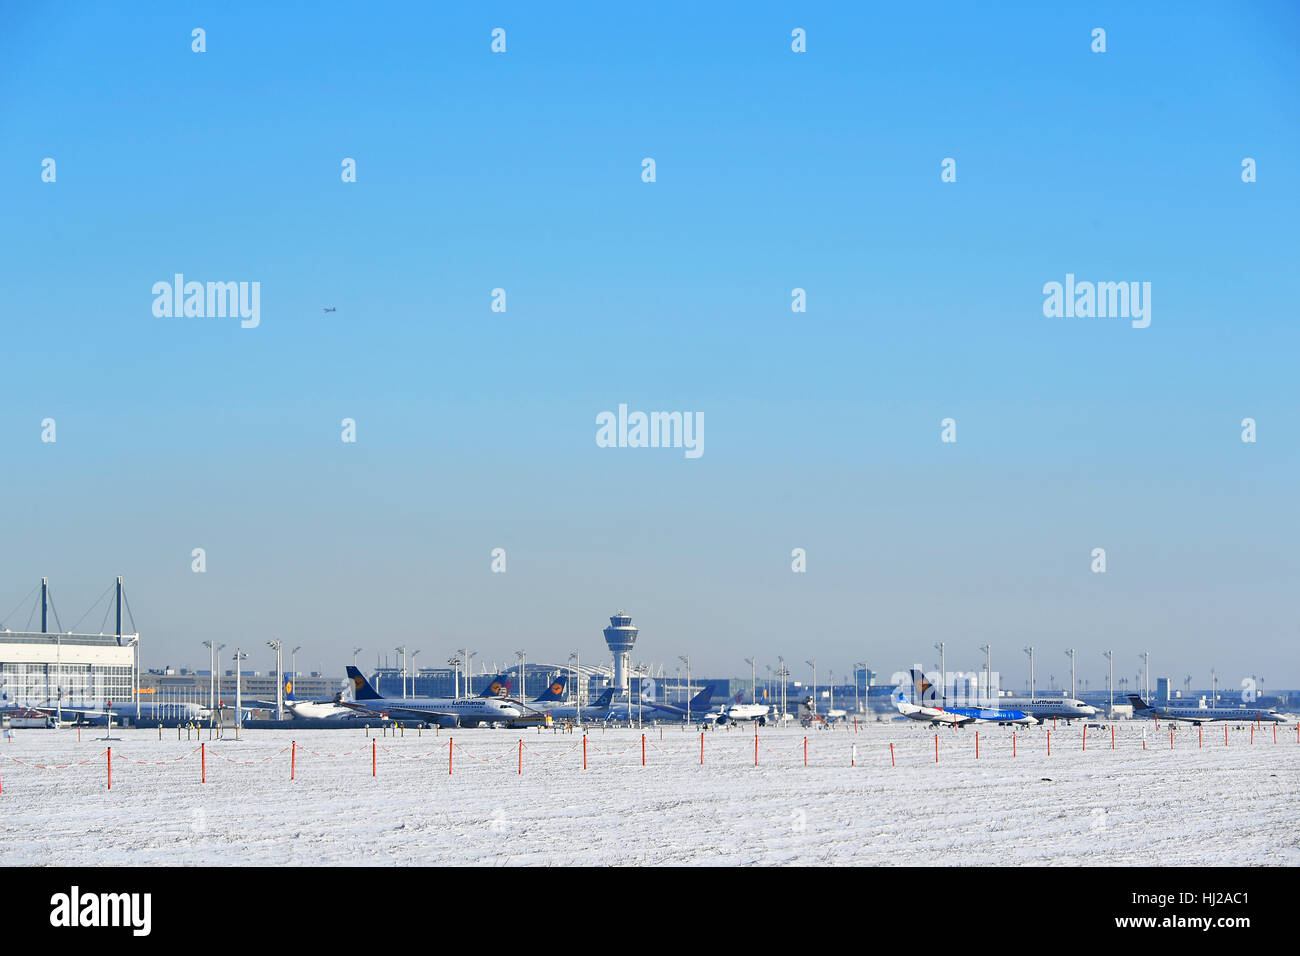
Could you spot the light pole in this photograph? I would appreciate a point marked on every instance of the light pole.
(355, 652)
(1070, 655)
(414, 670)
(469, 671)
(135, 643)
(781, 675)
(278, 647)
(1146, 674)
(239, 700)
(523, 674)
(813, 664)
(685, 659)
(858, 668)
(1030, 651)
(988, 671)
(640, 693)
(753, 680)
(402, 652)
(454, 661)
(943, 673)
(213, 647)
(1110, 678)
(293, 663)
(576, 657)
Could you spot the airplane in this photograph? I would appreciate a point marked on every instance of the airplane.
(335, 309)
(1047, 708)
(596, 710)
(742, 711)
(179, 711)
(443, 711)
(699, 705)
(537, 713)
(953, 716)
(1198, 715)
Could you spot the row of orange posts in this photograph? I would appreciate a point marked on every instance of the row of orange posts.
(451, 747)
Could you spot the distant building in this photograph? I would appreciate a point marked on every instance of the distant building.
(81, 670)
(1162, 689)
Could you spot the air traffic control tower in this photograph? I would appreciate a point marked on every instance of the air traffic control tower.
(620, 636)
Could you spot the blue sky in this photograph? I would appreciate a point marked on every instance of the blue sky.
(775, 170)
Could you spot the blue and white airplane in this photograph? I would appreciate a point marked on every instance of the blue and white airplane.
(1200, 714)
(953, 716)
(444, 711)
(599, 709)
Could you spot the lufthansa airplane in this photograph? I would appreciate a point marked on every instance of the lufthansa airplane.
(444, 711)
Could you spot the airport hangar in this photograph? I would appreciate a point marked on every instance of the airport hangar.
(80, 670)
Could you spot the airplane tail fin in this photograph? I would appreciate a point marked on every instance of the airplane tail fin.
(923, 692)
(700, 702)
(1139, 705)
(288, 688)
(499, 686)
(605, 699)
(361, 686)
(555, 691)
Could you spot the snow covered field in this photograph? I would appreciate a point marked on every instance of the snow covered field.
(1186, 806)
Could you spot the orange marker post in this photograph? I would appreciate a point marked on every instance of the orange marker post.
(891, 756)
(1112, 736)
(756, 749)
(936, 748)
(584, 752)
(521, 758)
(374, 758)
(1013, 743)
(110, 768)
(1225, 735)
(1085, 736)
(1171, 736)
(203, 763)
(977, 745)
(451, 751)
(805, 751)
(701, 748)
(1200, 735)
(643, 750)
(293, 756)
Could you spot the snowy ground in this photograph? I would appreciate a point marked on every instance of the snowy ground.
(1186, 806)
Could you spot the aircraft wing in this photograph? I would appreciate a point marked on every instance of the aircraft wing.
(403, 713)
(78, 713)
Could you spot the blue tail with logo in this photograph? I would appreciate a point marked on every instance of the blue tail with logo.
(362, 689)
(554, 691)
(498, 686)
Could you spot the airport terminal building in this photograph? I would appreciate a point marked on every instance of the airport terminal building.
(81, 670)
